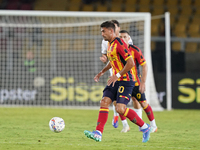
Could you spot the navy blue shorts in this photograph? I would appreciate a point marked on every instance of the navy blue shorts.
(137, 94)
(121, 92)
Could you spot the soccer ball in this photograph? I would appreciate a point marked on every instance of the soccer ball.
(56, 124)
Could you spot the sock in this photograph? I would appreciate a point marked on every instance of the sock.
(133, 117)
(102, 119)
(153, 123)
(139, 112)
(144, 126)
(122, 117)
(115, 113)
(124, 121)
(149, 112)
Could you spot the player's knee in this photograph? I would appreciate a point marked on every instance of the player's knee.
(144, 104)
(105, 102)
(120, 108)
(134, 99)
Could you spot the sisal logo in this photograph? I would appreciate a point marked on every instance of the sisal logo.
(65, 89)
(190, 90)
(18, 94)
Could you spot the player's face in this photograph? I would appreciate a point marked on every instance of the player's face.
(106, 33)
(117, 29)
(125, 37)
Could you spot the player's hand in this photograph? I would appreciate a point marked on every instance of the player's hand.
(96, 78)
(103, 58)
(142, 87)
(112, 80)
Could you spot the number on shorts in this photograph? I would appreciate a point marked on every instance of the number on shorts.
(121, 89)
(138, 95)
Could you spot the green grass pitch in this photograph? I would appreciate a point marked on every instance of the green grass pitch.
(28, 129)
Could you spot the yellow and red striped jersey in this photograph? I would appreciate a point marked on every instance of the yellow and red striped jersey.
(118, 54)
(139, 60)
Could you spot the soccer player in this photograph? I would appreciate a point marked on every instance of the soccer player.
(138, 90)
(119, 85)
(136, 104)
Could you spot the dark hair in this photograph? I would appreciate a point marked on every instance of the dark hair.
(124, 31)
(108, 24)
(115, 22)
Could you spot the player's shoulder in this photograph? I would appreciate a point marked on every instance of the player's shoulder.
(135, 48)
(120, 41)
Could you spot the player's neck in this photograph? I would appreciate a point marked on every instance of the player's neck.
(111, 39)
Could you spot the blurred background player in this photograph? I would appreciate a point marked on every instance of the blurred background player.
(119, 85)
(138, 91)
(103, 58)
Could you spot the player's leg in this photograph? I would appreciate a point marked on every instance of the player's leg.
(147, 108)
(137, 107)
(109, 94)
(123, 97)
(133, 117)
(136, 96)
(115, 116)
(101, 121)
(126, 127)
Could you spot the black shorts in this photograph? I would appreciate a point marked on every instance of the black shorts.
(137, 94)
(121, 92)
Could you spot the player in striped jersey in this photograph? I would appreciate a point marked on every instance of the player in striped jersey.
(138, 91)
(136, 104)
(119, 86)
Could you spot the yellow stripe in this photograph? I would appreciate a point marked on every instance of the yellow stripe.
(136, 84)
(128, 57)
(104, 109)
(124, 96)
(146, 106)
(143, 63)
(117, 61)
(134, 73)
(126, 112)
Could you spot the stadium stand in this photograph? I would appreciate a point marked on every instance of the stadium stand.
(102, 7)
(185, 2)
(130, 8)
(184, 14)
(87, 7)
(144, 8)
(171, 2)
(191, 47)
(186, 11)
(144, 2)
(180, 30)
(158, 2)
(176, 46)
(130, 2)
(193, 30)
(116, 7)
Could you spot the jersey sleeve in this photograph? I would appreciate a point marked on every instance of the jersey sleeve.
(104, 46)
(123, 50)
(139, 57)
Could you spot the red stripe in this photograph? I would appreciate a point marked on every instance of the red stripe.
(127, 76)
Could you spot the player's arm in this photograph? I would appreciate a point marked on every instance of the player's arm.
(140, 58)
(104, 58)
(106, 68)
(129, 64)
(104, 46)
(143, 78)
